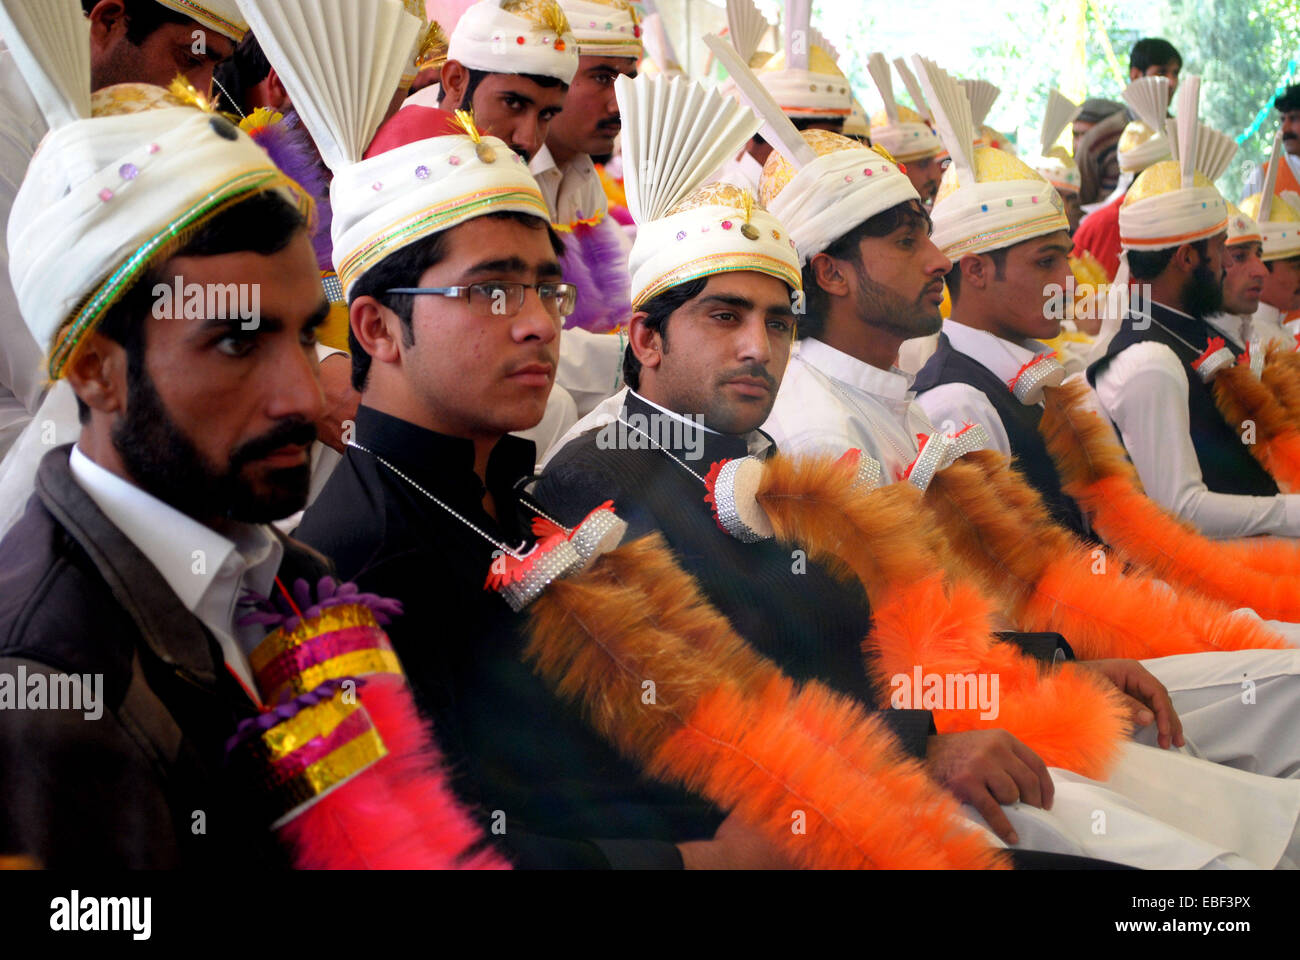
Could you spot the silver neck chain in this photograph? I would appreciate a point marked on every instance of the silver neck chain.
(666, 452)
(515, 553)
(903, 455)
(1176, 336)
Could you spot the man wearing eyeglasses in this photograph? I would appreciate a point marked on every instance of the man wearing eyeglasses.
(455, 336)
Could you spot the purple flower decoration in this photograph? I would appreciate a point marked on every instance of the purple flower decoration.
(276, 612)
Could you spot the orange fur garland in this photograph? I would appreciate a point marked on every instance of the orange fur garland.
(998, 525)
(893, 546)
(1282, 376)
(1245, 401)
(724, 722)
(1096, 473)
(1066, 716)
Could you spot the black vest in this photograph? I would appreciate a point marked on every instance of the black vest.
(1226, 464)
(949, 365)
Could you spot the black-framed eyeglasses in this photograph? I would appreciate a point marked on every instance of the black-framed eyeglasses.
(504, 298)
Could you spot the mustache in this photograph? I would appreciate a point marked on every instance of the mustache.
(523, 153)
(1289, 136)
(611, 125)
(751, 370)
(290, 433)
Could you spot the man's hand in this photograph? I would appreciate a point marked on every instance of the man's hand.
(987, 768)
(341, 401)
(1146, 697)
(735, 846)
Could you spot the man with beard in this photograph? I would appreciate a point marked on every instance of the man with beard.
(140, 543)
(705, 357)
(1173, 227)
(868, 286)
(131, 41)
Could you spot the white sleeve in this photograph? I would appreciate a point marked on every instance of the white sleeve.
(1144, 392)
(951, 406)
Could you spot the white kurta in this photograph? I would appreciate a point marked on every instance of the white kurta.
(830, 402)
(1144, 393)
(22, 380)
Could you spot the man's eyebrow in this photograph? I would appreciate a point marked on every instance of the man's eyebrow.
(551, 268)
(266, 323)
(318, 316)
(1056, 248)
(727, 300)
(500, 265)
(508, 92)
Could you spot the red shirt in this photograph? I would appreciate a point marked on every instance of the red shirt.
(1098, 233)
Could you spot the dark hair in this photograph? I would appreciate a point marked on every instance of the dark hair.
(1149, 264)
(476, 77)
(658, 311)
(1288, 99)
(807, 123)
(817, 302)
(245, 69)
(403, 268)
(264, 224)
(953, 279)
(1153, 52)
(143, 17)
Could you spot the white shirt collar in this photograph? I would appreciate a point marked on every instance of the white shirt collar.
(207, 571)
(1230, 325)
(542, 162)
(1268, 314)
(892, 384)
(756, 441)
(1004, 357)
(693, 424)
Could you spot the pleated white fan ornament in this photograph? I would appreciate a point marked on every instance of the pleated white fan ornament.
(340, 62)
(1148, 97)
(950, 107)
(50, 43)
(913, 88)
(1278, 217)
(818, 39)
(982, 95)
(676, 134)
(819, 184)
(1055, 163)
(1061, 110)
(902, 133)
(1270, 181)
(746, 26)
(1171, 202)
(878, 67)
(988, 198)
(777, 129)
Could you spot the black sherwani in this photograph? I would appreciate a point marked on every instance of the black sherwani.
(567, 798)
(809, 622)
